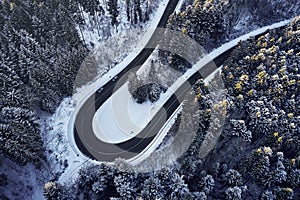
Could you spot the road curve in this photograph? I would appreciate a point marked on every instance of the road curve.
(84, 137)
(92, 147)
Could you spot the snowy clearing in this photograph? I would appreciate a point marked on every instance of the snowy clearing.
(123, 116)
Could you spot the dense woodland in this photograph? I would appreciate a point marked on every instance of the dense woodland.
(40, 54)
(149, 88)
(212, 23)
(257, 155)
(41, 51)
(42, 45)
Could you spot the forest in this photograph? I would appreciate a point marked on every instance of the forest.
(41, 52)
(42, 47)
(212, 23)
(257, 155)
(43, 44)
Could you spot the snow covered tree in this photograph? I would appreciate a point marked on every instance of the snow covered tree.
(155, 91)
(96, 182)
(179, 188)
(279, 175)
(283, 193)
(259, 166)
(233, 193)
(239, 129)
(206, 183)
(152, 189)
(134, 11)
(125, 179)
(124, 188)
(293, 177)
(199, 195)
(137, 16)
(148, 89)
(267, 195)
(113, 9)
(233, 178)
(136, 88)
(53, 191)
(165, 176)
(20, 135)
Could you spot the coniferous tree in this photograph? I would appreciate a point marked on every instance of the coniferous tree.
(152, 189)
(179, 188)
(113, 10)
(53, 191)
(20, 135)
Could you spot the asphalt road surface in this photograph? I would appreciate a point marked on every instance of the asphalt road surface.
(94, 148)
(84, 136)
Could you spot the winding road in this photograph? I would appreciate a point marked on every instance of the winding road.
(84, 136)
(96, 149)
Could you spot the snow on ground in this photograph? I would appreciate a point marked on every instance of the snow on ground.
(124, 117)
(152, 158)
(124, 111)
(113, 51)
(113, 132)
(112, 57)
(60, 151)
(167, 75)
(24, 182)
(59, 139)
(68, 148)
(93, 34)
(61, 155)
(179, 5)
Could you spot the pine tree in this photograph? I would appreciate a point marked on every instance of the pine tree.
(279, 175)
(233, 193)
(179, 188)
(267, 195)
(125, 179)
(128, 10)
(20, 135)
(207, 183)
(152, 189)
(138, 17)
(113, 10)
(233, 178)
(165, 176)
(53, 191)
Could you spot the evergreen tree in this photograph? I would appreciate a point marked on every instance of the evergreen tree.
(20, 135)
(152, 189)
(179, 188)
(233, 193)
(113, 9)
(233, 178)
(53, 191)
(125, 180)
(138, 17)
